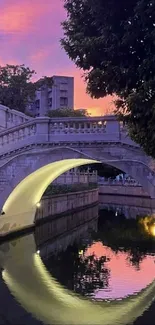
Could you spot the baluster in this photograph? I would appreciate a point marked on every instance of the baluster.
(91, 126)
(19, 134)
(94, 127)
(13, 136)
(55, 127)
(29, 130)
(52, 128)
(81, 129)
(26, 131)
(76, 127)
(88, 127)
(10, 137)
(58, 127)
(33, 129)
(5, 139)
(61, 127)
(1, 140)
(70, 127)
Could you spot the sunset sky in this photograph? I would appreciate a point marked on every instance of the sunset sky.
(30, 34)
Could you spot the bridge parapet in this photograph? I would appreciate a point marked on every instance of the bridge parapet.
(44, 130)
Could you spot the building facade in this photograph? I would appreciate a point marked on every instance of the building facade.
(61, 95)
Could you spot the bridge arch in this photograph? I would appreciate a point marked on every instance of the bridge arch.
(24, 164)
(20, 207)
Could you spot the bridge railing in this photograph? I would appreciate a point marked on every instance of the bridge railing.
(44, 130)
(116, 182)
(77, 177)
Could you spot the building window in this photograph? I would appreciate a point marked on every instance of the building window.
(64, 101)
(50, 102)
(37, 103)
(63, 86)
(64, 83)
(63, 93)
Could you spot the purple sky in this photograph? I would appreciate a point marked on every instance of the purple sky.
(30, 32)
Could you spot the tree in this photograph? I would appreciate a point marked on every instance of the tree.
(16, 87)
(66, 112)
(113, 42)
(82, 274)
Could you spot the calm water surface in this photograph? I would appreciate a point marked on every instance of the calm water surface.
(92, 258)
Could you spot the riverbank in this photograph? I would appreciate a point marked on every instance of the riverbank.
(58, 227)
(126, 190)
(52, 206)
(56, 202)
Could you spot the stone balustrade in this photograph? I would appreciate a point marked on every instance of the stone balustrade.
(10, 118)
(44, 130)
(115, 182)
(76, 177)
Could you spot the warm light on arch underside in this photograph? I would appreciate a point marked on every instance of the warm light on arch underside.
(26, 196)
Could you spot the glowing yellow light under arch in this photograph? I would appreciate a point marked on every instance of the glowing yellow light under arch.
(152, 230)
(21, 205)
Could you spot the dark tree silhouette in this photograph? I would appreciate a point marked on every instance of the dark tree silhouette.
(113, 42)
(80, 273)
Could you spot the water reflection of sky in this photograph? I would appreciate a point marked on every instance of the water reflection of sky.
(124, 278)
(39, 294)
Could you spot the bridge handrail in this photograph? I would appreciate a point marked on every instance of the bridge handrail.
(17, 127)
(56, 130)
(65, 119)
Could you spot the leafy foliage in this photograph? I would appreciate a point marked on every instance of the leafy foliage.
(82, 274)
(130, 234)
(16, 87)
(68, 188)
(66, 112)
(113, 41)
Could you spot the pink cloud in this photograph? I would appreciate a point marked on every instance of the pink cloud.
(3, 62)
(39, 56)
(23, 16)
(17, 18)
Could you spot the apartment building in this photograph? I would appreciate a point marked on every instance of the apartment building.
(61, 95)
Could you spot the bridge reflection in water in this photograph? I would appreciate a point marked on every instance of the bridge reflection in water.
(41, 295)
(130, 206)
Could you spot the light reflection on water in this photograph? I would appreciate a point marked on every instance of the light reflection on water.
(125, 279)
(75, 255)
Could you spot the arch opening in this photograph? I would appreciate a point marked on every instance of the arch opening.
(20, 207)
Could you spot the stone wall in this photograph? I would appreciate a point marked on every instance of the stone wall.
(58, 204)
(130, 206)
(67, 226)
(122, 190)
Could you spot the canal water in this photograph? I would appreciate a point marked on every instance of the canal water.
(96, 266)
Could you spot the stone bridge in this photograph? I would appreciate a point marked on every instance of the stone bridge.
(46, 140)
(29, 146)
